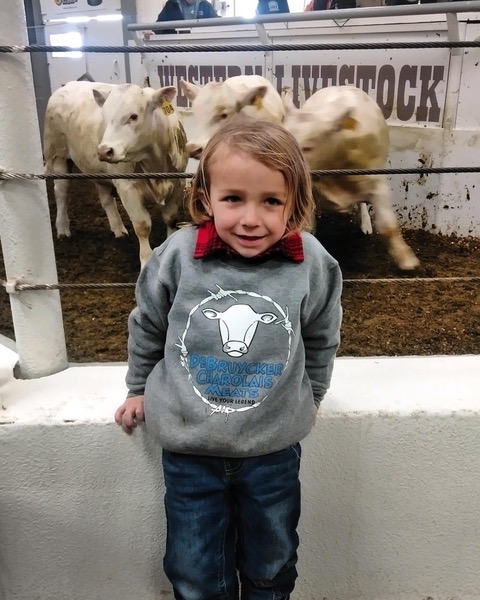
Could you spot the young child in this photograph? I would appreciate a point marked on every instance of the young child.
(231, 350)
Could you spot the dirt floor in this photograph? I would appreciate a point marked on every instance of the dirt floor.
(394, 318)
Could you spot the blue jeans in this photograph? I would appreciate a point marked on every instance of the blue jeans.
(229, 515)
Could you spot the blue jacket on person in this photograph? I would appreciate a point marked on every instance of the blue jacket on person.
(272, 7)
(335, 4)
(402, 2)
(172, 11)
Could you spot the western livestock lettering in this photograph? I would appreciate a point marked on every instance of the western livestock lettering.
(406, 92)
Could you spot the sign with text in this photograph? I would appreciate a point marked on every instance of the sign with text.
(58, 8)
(408, 85)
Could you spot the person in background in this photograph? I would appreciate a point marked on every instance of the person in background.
(272, 7)
(401, 2)
(228, 362)
(178, 10)
(330, 4)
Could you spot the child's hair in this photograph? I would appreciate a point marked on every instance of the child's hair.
(273, 146)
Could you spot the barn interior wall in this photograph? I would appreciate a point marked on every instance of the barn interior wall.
(390, 486)
(147, 10)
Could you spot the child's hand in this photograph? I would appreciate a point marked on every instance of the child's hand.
(130, 413)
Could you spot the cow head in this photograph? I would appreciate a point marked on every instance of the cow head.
(238, 325)
(130, 120)
(319, 132)
(214, 105)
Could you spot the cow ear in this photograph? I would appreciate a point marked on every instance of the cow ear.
(253, 97)
(287, 98)
(157, 98)
(348, 121)
(166, 93)
(100, 97)
(189, 89)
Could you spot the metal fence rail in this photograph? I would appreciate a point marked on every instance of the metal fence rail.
(184, 48)
(14, 287)
(8, 175)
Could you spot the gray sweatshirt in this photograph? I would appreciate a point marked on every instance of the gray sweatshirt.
(233, 356)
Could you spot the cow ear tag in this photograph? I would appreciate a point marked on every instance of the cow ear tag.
(167, 108)
(257, 103)
(349, 123)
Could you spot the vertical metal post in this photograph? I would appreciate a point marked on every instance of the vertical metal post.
(25, 230)
(454, 75)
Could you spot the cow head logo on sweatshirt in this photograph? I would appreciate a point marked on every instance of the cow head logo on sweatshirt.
(235, 347)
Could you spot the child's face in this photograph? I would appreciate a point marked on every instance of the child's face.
(248, 201)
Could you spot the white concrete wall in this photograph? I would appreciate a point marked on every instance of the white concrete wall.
(391, 482)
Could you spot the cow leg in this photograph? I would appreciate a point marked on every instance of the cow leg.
(387, 226)
(109, 205)
(132, 199)
(365, 221)
(173, 194)
(59, 166)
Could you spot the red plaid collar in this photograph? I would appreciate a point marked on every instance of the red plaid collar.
(209, 242)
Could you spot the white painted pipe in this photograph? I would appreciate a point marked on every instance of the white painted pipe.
(25, 230)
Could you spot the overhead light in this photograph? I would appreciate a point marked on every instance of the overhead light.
(109, 18)
(77, 19)
(69, 20)
(86, 19)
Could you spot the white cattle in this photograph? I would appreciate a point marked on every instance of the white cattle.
(218, 101)
(341, 127)
(107, 128)
(238, 325)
